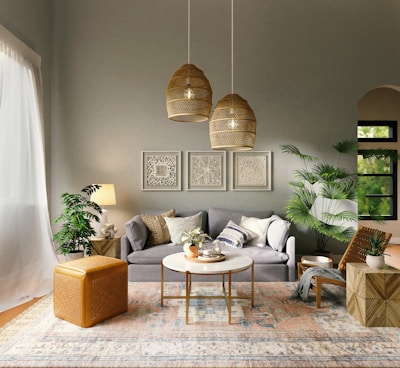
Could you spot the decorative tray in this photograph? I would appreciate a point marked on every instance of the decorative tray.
(201, 259)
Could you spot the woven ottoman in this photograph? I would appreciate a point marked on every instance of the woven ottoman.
(90, 290)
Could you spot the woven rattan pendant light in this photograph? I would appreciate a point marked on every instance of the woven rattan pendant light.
(232, 123)
(189, 94)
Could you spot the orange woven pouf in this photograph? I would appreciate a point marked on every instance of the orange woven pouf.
(90, 290)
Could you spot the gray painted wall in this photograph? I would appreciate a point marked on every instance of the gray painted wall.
(302, 65)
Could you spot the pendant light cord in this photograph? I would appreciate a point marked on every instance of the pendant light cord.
(188, 31)
(232, 46)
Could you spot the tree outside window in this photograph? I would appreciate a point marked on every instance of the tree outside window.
(377, 173)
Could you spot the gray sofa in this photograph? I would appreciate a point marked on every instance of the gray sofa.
(144, 262)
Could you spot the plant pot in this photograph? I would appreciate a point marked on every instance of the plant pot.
(191, 251)
(375, 261)
(74, 255)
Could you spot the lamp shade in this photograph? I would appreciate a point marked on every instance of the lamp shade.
(105, 196)
(189, 95)
(232, 124)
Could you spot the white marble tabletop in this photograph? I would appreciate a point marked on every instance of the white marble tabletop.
(233, 262)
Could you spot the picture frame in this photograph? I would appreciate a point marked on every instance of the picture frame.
(251, 171)
(161, 170)
(206, 170)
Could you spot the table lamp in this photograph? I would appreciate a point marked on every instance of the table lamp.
(105, 196)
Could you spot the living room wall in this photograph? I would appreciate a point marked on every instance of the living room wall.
(302, 66)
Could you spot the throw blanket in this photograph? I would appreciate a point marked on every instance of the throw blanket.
(304, 285)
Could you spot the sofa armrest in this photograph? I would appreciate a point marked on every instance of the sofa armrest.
(291, 251)
(126, 248)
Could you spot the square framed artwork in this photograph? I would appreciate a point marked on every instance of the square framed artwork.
(251, 171)
(161, 170)
(206, 170)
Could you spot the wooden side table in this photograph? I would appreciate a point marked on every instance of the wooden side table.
(373, 295)
(106, 247)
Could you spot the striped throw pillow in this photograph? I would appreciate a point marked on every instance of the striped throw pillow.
(235, 235)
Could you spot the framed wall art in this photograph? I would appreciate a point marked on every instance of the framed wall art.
(206, 170)
(251, 171)
(161, 170)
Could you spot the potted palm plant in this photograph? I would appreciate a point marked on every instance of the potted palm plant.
(76, 218)
(324, 196)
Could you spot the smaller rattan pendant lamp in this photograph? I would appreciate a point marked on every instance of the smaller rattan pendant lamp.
(189, 94)
(232, 123)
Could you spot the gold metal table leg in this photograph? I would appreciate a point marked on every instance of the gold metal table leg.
(252, 284)
(162, 284)
(229, 304)
(188, 282)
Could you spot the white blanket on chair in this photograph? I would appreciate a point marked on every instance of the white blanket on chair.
(304, 285)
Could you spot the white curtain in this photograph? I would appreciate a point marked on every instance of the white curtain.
(27, 258)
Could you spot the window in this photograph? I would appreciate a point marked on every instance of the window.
(27, 258)
(377, 131)
(377, 172)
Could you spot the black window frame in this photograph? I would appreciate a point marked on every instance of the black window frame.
(393, 165)
(392, 124)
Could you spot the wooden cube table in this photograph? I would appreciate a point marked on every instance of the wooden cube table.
(90, 290)
(373, 295)
(106, 247)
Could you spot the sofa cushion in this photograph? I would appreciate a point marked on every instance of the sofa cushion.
(154, 255)
(259, 227)
(176, 225)
(264, 255)
(278, 232)
(235, 235)
(219, 217)
(136, 232)
(204, 217)
(157, 228)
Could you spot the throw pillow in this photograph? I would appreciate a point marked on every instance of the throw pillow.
(136, 232)
(176, 225)
(259, 227)
(157, 228)
(235, 235)
(278, 232)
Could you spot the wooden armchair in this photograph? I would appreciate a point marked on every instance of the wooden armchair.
(353, 253)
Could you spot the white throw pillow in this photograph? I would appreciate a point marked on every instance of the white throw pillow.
(278, 232)
(176, 225)
(259, 227)
(235, 235)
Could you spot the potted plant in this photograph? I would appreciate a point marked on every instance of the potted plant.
(324, 196)
(375, 250)
(192, 241)
(76, 230)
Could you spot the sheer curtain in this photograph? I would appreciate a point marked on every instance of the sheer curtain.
(27, 258)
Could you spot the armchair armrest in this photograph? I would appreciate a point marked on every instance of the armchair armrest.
(302, 266)
(125, 248)
(291, 251)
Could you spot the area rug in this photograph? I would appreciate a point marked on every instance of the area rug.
(277, 332)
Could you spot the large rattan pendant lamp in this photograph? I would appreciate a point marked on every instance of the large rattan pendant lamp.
(232, 123)
(189, 94)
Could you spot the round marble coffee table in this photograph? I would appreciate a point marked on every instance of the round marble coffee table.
(232, 263)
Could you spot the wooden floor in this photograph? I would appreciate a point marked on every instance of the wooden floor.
(10, 314)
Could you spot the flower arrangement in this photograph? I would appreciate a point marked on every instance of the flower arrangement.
(195, 237)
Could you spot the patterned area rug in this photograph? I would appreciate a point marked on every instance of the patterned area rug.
(277, 332)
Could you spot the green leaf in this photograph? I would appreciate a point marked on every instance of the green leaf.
(292, 150)
(346, 146)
